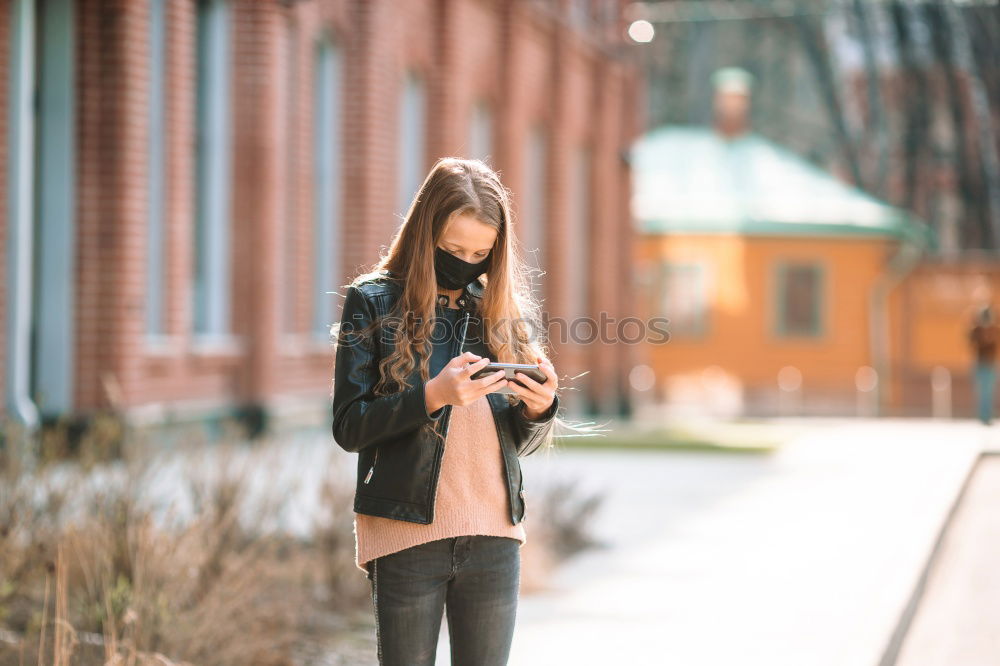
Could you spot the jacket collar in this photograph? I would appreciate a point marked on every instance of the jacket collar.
(474, 288)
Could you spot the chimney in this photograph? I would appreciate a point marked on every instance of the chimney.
(731, 103)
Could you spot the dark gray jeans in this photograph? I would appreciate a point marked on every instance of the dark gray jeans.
(475, 578)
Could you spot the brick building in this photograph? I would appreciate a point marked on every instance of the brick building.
(184, 183)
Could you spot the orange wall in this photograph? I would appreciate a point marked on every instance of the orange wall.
(741, 302)
(938, 302)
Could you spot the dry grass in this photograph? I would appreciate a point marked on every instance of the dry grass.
(93, 572)
(96, 567)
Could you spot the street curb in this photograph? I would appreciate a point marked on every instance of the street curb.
(891, 653)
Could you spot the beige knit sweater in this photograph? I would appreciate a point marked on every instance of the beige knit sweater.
(471, 493)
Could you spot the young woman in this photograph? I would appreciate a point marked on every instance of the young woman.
(439, 500)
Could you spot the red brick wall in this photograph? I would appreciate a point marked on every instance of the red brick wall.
(303, 366)
(511, 56)
(530, 69)
(526, 63)
(258, 162)
(112, 197)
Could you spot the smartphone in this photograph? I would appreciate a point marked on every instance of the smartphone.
(509, 369)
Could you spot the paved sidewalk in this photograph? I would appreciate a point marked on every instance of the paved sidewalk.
(804, 557)
(958, 618)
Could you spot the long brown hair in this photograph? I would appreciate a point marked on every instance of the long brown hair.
(508, 310)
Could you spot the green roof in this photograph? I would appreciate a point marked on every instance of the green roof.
(692, 180)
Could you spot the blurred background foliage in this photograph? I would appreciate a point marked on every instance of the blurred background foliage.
(899, 97)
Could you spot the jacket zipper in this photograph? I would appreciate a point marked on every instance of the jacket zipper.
(447, 418)
(506, 467)
(371, 470)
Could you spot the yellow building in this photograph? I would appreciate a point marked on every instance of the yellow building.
(777, 278)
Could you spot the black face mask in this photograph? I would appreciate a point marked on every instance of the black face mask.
(455, 273)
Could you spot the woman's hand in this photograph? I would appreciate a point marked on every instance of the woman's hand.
(537, 397)
(452, 385)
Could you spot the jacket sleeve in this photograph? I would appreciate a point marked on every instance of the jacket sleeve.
(532, 433)
(360, 419)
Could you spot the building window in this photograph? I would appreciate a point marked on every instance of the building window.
(682, 298)
(326, 187)
(411, 148)
(481, 132)
(534, 220)
(211, 280)
(41, 212)
(799, 299)
(55, 214)
(155, 236)
(290, 230)
(579, 227)
(579, 14)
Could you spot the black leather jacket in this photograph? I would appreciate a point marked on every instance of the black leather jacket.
(399, 456)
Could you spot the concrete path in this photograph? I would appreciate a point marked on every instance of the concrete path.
(958, 618)
(804, 557)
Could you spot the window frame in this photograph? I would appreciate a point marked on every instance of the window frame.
(779, 324)
(481, 131)
(413, 90)
(327, 191)
(533, 224)
(155, 322)
(212, 282)
(701, 329)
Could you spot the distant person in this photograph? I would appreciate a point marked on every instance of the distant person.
(984, 336)
(439, 501)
